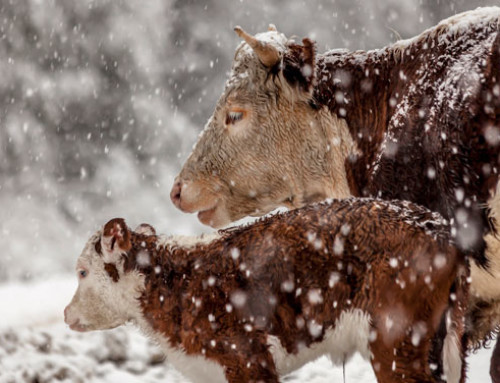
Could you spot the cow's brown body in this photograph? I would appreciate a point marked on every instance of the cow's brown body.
(429, 128)
(418, 120)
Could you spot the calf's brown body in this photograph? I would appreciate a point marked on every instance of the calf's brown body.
(259, 301)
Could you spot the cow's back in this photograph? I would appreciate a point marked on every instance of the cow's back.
(441, 145)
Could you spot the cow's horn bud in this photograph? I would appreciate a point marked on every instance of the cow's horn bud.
(268, 55)
(272, 28)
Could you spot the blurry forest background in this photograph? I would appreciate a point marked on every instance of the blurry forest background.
(102, 100)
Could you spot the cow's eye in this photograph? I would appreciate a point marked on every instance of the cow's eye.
(83, 273)
(233, 117)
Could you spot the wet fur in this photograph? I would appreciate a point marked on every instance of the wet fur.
(188, 289)
(392, 109)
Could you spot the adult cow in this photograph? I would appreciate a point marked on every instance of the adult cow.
(418, 120)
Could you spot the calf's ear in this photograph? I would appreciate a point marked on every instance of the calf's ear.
(298, 65)
(115, 240)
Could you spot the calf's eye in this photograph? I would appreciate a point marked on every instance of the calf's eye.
(83, 273)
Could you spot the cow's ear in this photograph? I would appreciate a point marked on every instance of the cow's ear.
(145, 229)
(115, 240)
(298, 65)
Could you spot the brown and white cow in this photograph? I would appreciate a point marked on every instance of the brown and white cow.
(252, 304)
(418, 120)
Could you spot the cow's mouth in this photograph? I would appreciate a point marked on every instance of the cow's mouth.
(216, 216)
(207, 216)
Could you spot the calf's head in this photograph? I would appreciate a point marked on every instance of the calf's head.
(107, 295)
(266, 144)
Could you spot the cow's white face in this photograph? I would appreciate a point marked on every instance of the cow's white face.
(265, 145)
(106, 296)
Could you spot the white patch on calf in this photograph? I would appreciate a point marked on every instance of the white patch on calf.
(350, 334)
(187, 241)
(196, 368)
(452, 360)
(100, 303)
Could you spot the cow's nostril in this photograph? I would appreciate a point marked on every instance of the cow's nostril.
(175, 194)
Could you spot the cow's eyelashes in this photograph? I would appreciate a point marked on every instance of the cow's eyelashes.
(233, 117)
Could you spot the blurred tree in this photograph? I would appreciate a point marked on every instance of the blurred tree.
(82, 78)
(79, 78)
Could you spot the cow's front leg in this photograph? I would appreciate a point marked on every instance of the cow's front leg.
(495, 364)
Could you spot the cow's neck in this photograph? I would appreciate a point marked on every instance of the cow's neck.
(357, 87)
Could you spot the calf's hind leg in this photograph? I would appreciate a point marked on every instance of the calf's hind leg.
(400, 363)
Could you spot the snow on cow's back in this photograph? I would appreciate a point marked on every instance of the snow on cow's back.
(456, 25)
(455, 69)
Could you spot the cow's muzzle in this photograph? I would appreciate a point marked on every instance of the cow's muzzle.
(195, 197)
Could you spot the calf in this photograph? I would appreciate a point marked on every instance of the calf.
(254, 303)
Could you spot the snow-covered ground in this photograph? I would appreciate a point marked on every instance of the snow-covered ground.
(36, 346)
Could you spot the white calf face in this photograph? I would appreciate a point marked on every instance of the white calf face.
(106, 297)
